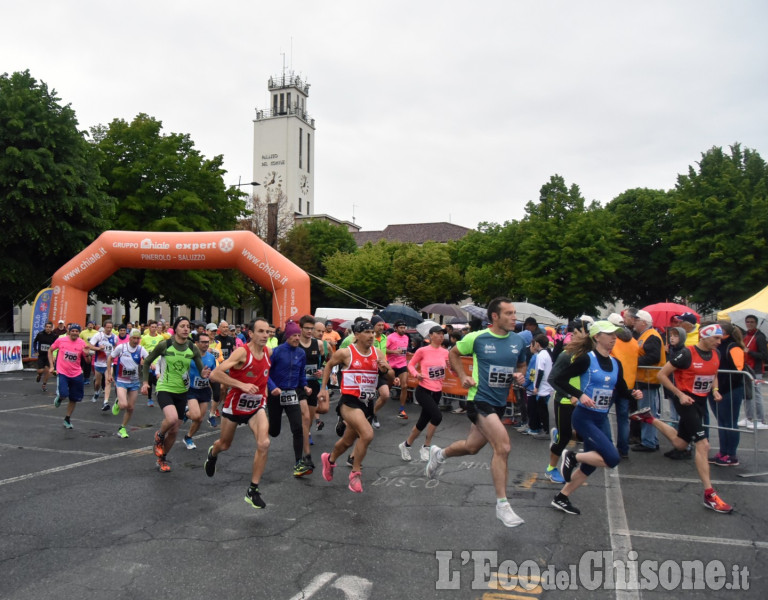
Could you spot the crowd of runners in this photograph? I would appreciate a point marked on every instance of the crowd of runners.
(231, 376)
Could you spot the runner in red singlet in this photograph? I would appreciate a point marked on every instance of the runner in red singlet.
(245, 372)
(361, 365)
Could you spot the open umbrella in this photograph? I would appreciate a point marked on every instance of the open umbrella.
(476, 312)
(395, 312)
(423, 328)
(662, 313)
(542, 315)
(448, 310)
(737, 318)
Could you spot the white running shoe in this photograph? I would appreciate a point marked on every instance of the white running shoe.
(405, 452)
(761, 425)
(424, 453)
(506, 515)
(745, 423)
(430, 470)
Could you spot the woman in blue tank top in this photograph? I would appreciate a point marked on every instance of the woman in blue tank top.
(600, 377)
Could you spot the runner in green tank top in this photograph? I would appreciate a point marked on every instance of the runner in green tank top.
(175, 356)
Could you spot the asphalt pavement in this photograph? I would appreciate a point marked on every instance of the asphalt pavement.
(86, 515)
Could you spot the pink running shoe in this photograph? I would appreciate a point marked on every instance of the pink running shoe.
(328, 466)
(355, 484)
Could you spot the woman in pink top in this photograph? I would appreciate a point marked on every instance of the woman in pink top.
(428, 365)
(71, 349)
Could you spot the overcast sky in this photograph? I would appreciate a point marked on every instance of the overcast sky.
(425, 111)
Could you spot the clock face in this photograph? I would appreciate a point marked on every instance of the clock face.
(273, 181)
(304, 184)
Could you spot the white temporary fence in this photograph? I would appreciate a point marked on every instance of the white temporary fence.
(750, 392)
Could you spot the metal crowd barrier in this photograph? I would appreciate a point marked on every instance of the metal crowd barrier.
(749, 389)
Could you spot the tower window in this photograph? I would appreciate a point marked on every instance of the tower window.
(289, 102)
(274, 104)
(282, 104)
(308, 147)
(301, 139)
(299, 204)
(307, 206)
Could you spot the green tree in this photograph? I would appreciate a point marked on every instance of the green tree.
(569, 252)
(162, 183)
(366, 272)
(309, 244)
(426, 274)
(720, 238)
(487, 259)
(644, 220)
(51, 200)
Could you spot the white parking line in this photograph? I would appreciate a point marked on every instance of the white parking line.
(54, 450)
(145, 450)
(684, 480)
(697, 539)
(621, 541)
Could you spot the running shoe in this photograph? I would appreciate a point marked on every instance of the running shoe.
(253, 497)
(676, 454)
(158, 444)
(554, 435)
(713, 502)
(733, 461)
(402, 415)
(39, 375)
(319, 424)
(745, 423)
(150, 402)
(57, 401)
(105, 406)
(185, 418)
(308, 461)
(567, 464)
(122, 432)
(506, 515)
(562, 502)
(95, 397)
(405, 452)
(522, 427)
(341, 426)
(162, 465)
(458, 411)
(189, 443)
(210, 463)
(644, 415)
(116, 408)
(761, 425)
(424, 453)
(350, 461)
(328, 466)
(87, 382)
(375, 422)
(68, 424)
(311, 441)
(355, 485)
(212, 421)
(44, 387)
(507, 421)
(300, 469)
(553, 475)
(432, 462)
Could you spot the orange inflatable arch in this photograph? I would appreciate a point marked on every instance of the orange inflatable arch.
(241, 250)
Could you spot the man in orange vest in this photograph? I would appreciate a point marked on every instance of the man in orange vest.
(652, 354)
(626, 351)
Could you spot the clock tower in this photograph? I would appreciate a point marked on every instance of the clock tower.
(284, 147)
